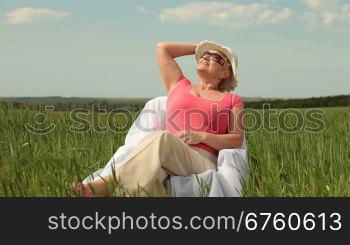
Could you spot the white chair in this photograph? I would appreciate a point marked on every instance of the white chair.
(233, 166)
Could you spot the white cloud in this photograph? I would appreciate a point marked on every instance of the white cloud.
(143, 10)
(321, 4)
(25, 15)
(275, 17)
(329, 17)
(225, 14)
(313, 3)
(327, 13)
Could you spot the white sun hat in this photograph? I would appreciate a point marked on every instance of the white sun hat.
(206, 45)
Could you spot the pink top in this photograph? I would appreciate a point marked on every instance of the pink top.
(187, 111)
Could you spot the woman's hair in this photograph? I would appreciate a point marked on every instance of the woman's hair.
(226, 84)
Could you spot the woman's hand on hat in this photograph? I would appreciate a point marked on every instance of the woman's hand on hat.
(190, 137)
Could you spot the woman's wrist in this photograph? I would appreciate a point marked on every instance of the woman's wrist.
(204, 136)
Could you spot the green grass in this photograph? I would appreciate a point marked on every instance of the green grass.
(302, 163)
(282, 164)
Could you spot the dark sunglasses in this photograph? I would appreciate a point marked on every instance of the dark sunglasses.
(215, 57)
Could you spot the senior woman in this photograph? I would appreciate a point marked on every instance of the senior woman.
(201, 119)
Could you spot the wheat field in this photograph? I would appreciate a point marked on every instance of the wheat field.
(282, 164)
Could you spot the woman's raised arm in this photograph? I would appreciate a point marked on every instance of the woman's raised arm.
(166, 53)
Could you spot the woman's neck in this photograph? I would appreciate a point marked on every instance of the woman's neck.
(205, 85)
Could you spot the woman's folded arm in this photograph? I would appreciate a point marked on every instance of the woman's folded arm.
(234, 137)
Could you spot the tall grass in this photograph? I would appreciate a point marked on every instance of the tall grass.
(302, 163)
(282, 164)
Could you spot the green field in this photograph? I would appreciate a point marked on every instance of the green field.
(283, 163)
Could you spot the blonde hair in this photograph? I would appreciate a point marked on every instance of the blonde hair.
(228, 84)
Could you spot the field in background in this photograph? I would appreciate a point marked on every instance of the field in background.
(282, 164)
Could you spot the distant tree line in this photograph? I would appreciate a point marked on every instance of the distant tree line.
(328, 101)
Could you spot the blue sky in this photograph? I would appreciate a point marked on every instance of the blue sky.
(106, 48)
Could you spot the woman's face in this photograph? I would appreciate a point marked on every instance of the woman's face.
(209, 65)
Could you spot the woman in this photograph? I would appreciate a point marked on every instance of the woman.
(201, 120)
